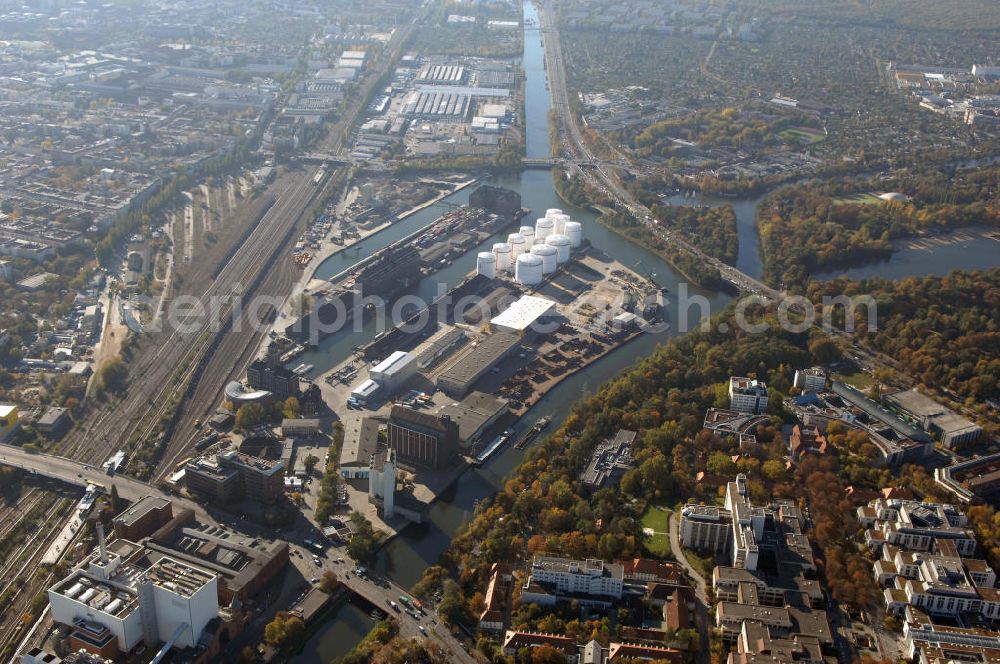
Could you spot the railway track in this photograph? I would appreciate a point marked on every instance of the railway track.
(173, 356)
(22, 584)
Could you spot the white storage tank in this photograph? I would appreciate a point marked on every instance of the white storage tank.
(529, 236)
(549, 256)
(561, 220)
(562, 245)
(503, 252)
(486, 264)
(574, 231)
(544, 227)
(552, 212)
(529, 270)
(517, 244)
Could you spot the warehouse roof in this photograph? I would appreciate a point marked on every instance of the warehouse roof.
(484, 353)
(520, 315)
(393, 363)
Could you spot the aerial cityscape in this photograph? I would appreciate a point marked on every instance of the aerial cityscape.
(500, 331)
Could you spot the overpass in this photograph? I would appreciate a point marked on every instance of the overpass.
(539, 162)
(81, 474)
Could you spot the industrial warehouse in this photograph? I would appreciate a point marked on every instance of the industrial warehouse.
(541, 305)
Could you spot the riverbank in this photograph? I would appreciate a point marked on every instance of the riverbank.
(289, 308)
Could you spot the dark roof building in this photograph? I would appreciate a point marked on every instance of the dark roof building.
(422, 439)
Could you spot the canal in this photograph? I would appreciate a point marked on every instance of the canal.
(417, 547)
(344, 630)
(406, 556)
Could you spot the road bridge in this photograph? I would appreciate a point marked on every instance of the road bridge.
(81, 474)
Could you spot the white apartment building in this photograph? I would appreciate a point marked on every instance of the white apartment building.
(747, 395)
(706, 528)
(915, 526)
(577, 577)
(810, 380)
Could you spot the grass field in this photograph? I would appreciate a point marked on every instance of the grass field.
(860, 380)
(864, 198)
(658, 521)
(802, 135)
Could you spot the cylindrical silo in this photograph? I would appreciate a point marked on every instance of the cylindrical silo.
(549, 256)
(562, 245)
(551, 212)
(517, 244)
(574, 231)
(544, 227)
(529, 270)
(560, 220)
(529, 236)
(486, 264)
(503, 252)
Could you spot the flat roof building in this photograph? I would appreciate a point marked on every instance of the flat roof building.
(143, 518)
(747, 395)
(120, 597)
(481, 356)
(392, 372)
(523, 314)
(953, 430)
(610, 460)
(474, 414)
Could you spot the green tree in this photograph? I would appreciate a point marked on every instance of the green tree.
(113, 376)
(329, 582)
(249, 415)
(774, 470)
(720, 464)
(310, 463)
(291, 408)
(453, 608)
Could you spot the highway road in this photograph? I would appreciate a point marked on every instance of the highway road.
(582, 161)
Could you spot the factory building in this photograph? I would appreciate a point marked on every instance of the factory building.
(443, 75)
(121, 597)
(458, 377)
(143, 517)
(953, 430)
(496, 200)
(269, 375)
(422, 439)
(474, 414)
(436, 105)
(393, 270)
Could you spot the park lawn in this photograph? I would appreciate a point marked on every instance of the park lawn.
(659, 521)
(801, 135)
(861, 198)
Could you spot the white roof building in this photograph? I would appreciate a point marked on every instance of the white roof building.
(522, 314)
